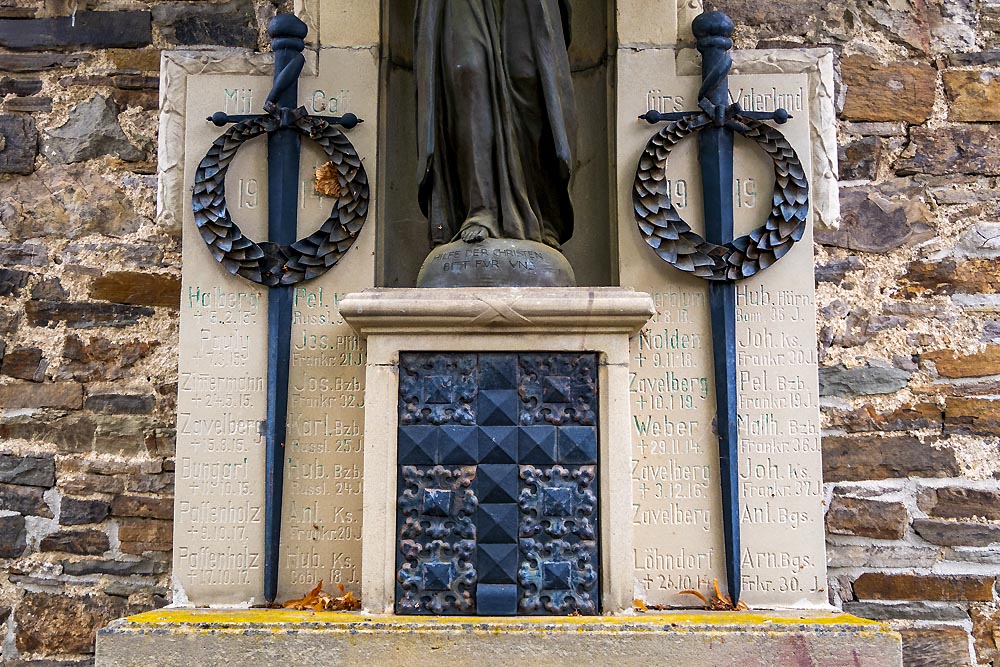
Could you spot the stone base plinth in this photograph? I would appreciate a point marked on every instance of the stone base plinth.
(182, 638)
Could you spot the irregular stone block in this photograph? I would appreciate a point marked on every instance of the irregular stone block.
(219, 24)
(24, 363)
(951, 149)
(861, 381)
(879, 91)
(25, 500)
(881, 586)
(79, 542)
(12, 281)
(143, 507)
(13, 538)
(24, 254)
(138, 289)
(859, 159)
(957, 533)
(847, 459)
(115, 567)
(36, 104)
(141, 535)
(973, 96)
(77, 511)
(905, 418)
(18, 144)
(85, 29)
(867, 518)
(50, 624)
(40, 62)
(880, 218)
(972, 415)
(100, 358)
(936, 646)
(955, 502)
(28, 470)
(84, 315)
(835, 271)
(71, 433)
(20, 395)
(950, 364)
(91, 131)
(907, 611)
(120, 404)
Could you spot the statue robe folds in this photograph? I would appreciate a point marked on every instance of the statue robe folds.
(496, 118)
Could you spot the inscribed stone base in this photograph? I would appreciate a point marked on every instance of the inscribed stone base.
(699, 639)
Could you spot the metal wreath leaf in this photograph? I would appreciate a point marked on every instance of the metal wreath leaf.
(665, 231)
(268, 263)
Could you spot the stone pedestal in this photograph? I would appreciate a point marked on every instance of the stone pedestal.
(700, 639)
(492, 320)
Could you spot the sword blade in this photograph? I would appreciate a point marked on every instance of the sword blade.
(283, 151)
(716, 156)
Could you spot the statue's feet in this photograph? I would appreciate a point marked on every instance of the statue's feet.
(474, 233)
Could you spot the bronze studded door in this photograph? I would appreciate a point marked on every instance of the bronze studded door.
(497, 484)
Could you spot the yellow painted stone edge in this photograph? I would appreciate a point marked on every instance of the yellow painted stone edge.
(277, 620)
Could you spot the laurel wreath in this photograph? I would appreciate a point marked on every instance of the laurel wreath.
(665, 231)
(268, 263)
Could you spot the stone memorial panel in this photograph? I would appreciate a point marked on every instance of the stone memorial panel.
(219, 514)
(677, 521)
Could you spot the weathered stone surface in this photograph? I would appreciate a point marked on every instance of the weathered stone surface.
(861, 381)
(905, 418)
(86, 29)
(221, 24)
(84, 315)
(851, 459)
(972, 415)
(973, 59)
(119, 435)
(86, 662)
(51, 624)
(952, 365)
(120, 404)
(78, 511)
(18, 144)
(13, 537)
(949, 276)
(955, 502)
(879, 91)
(85, 203)
(91, 131)
(907, 611)
(936, 646)
(880, 218)
(143, 507)
(70, 433)
(955, 533)
(982, 240)
(135, 60)
(40, 62)
(19, 395)
(835, 271)
(36, 104)
(143, 255)
(881, 586)
(115, 567)
(142, 483)
(13, 281)
(26, 500)
(141, 535)
(23, 254)
(49, 289)
(28, 470)
(83, 483)
(79, 542)
(974, 96)
(859, 159)
(867, 518)
(138, 289)
(963, 149)
(100, 358)
(24, 363)
(985, 632)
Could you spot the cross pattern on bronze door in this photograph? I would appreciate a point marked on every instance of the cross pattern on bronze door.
(497, 484)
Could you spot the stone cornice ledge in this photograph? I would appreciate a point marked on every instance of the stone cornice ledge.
(500, 310)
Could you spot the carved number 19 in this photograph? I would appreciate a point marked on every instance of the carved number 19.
(248, 193)
(745, 193)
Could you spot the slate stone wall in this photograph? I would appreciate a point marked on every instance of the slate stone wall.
(909, 290)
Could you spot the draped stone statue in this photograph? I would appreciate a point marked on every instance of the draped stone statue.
(496, 119)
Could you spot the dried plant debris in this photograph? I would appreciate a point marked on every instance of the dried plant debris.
(719, 602)
(327, 180)
(319, 600)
